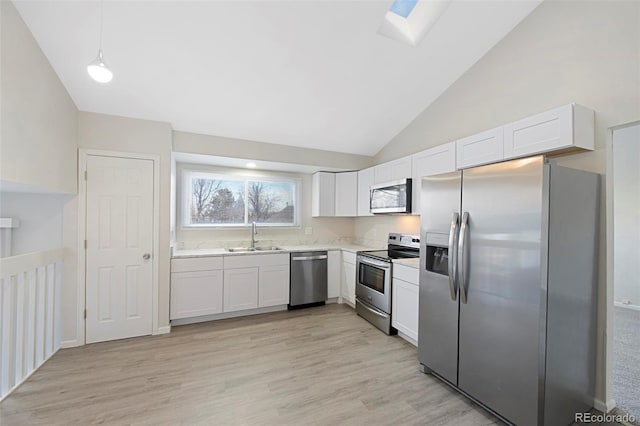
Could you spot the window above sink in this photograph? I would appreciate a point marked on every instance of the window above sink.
(222, 200)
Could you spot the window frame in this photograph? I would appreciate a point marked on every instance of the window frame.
(188, 173)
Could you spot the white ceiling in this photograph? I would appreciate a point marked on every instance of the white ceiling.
(311, 74)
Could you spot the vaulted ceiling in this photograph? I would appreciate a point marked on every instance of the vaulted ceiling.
(310, 74)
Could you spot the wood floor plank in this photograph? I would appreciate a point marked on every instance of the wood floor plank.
(316, 366)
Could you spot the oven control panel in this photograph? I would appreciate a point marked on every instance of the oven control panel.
(404, 240)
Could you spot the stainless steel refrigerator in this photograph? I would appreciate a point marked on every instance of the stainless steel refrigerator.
(508, 265)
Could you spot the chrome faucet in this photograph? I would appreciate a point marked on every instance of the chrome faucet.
(254, 231)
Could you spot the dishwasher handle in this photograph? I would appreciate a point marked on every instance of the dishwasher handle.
(324, 256)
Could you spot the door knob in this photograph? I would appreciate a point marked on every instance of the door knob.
(146, 256)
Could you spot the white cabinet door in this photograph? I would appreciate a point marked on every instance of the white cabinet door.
(482, 148)
(323, 186)
(570, 126)
(349, 282)
(365, 180)
(383, 173)
(433, 161)
(240, 289)
(401, 168)
(404, 309)
(346, 194)
(392, 170)
(195, 293)
(273, 287)
(334, 273)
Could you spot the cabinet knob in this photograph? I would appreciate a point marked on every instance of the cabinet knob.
(146, 256)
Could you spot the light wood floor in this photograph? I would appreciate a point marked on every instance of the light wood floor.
(320, 365)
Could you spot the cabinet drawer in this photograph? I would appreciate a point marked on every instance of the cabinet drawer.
(252, 260)
(348, 257)
(406, 273)
(189, 264)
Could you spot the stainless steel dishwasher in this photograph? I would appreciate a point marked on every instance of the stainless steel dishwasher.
(308, 286)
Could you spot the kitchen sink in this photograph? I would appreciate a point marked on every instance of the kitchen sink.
(250, 249)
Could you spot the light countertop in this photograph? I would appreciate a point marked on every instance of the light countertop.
(413, 262)
(285, 249)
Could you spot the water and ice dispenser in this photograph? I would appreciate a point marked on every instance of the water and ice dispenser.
(437, 258)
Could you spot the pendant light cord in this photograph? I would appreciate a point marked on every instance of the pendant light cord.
(101, 19)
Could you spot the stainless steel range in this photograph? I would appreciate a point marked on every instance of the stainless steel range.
(373, 279)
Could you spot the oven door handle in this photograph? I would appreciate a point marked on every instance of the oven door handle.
(371, 262)
(373, 311)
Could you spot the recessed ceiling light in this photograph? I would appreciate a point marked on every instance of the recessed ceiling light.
(251, 165)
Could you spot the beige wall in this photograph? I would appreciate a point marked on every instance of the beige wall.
(111, 133)
(563, 52)
(37, 116)
(569, 51)
(323, 230)
(237, 148)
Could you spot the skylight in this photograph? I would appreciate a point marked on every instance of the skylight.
(403, 7)
(409, 21)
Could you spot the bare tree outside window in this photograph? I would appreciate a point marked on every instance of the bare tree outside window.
(203, 191)
(221, 201)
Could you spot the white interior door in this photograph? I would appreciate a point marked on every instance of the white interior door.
(119, 258)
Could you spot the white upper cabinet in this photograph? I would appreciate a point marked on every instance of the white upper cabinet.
(392, 170)
(433, 161)
(482, 148)
(346, 200)
(323, 187)
(365, 180)
(570, 126)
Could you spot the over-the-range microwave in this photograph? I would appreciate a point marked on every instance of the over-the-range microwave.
(391, 197)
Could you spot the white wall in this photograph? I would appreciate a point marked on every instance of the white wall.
(239, 148)
(626, 215)
(324, 230)
(111, 133)
(41, 220)
(38, 131)
(563, 52)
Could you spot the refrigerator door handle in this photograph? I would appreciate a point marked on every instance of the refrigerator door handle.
(462, 257)
(453, 234)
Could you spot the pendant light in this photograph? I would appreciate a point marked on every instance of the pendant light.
(98, 68)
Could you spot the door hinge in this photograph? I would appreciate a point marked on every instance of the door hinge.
(85, 314)
(85, 244)
(85, 175)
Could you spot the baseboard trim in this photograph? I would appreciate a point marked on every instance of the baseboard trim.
(163, 330)
(407, 338)
(70, 344)
(214, 317)
(348, 303)
(605, 407)
(625, 306)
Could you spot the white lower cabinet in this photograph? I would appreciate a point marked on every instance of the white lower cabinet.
(334, 273)
(240, 289)
(405, 300)
(196, 293)
(348, 291)
(273, 285)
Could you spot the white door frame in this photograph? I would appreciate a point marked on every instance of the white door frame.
(82, 233)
